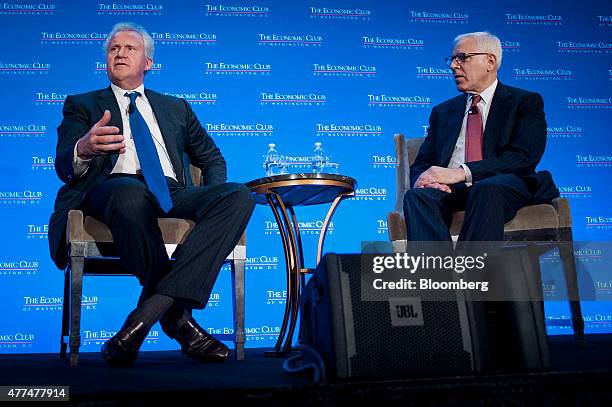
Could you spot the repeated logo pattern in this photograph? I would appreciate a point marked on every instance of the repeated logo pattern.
(293, 74)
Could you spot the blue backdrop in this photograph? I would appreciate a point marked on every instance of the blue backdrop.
(347, 73)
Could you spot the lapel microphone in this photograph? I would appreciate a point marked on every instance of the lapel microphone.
(473, 108)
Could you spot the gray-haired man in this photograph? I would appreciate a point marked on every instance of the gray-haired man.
(480, 153)
(120, 154)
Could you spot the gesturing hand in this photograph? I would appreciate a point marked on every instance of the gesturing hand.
(100, 139)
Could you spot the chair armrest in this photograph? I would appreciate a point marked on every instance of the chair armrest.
(196, 175)
(402, 171)
(406, 151)
(562, 207)
(396, 226)
(74, 226)
(243, 240)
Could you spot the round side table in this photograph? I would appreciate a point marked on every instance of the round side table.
(282, 193)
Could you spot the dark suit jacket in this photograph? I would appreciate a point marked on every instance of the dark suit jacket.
(181, 131)
(513, 143)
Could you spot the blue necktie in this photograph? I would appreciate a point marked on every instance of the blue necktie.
(147, 155)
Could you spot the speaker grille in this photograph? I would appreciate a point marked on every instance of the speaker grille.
(399, 351)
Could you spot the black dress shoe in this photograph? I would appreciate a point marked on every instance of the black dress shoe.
(122, 349)
(199, 344)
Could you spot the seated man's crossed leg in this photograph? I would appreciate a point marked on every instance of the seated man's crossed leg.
(170, 291)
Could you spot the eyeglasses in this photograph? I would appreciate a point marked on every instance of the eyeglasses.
(462, 57)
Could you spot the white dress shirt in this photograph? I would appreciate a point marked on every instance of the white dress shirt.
(127, 163)
(484, 105)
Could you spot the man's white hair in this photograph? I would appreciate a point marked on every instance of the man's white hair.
(146, 37)
(485, 42)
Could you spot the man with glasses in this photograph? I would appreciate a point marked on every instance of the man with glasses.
(120, 154)
(480, 153)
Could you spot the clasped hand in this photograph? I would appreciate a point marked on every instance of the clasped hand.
(440, 178)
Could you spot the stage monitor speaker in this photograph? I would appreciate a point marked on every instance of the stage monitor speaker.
(406, 337)
(515, 329)
(402, 337)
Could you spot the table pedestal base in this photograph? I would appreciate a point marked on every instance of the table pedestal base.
(282, 193)
(294, 258)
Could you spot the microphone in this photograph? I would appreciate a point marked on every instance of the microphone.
(474, 107)
(131, 108)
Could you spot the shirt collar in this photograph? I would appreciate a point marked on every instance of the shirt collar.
(120, 93)
(487, 94)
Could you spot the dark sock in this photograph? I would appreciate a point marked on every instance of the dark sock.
(151, 310)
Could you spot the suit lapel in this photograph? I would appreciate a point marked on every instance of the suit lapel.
(453, 128)
(166, 128)
(107, 101)
(495, 119)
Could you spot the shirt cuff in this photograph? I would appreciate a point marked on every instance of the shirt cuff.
(468, 175)
(79, 166)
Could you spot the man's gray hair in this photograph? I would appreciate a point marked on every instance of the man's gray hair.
(485, 42)
(146, 37)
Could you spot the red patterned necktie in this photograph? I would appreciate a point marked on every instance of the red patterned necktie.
(473, 132)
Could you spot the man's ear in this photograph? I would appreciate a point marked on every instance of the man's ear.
(149, 64)
(491, 62)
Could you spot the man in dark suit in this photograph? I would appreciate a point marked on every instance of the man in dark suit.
(480, 153)
(120, 154)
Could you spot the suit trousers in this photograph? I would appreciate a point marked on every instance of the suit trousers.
(221, 213)
(488, 205)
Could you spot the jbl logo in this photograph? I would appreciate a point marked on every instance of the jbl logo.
(406, 311)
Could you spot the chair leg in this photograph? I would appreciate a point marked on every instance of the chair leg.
(566, 252)
(536, 293)
(238, 302)
(76, 292)
(65, 313)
